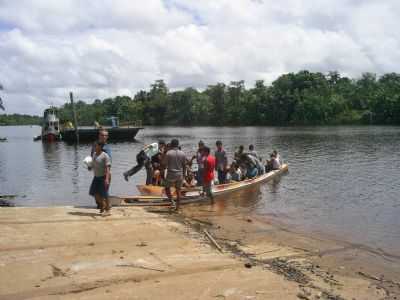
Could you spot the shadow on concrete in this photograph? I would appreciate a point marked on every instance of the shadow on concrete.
(84, 214)
(86, 206)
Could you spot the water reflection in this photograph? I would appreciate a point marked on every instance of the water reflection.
(75, 169)
(240, 201)
(51, 161)
(244, 199)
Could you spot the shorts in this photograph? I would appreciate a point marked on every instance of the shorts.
(174, 182)
(207, 189)
(98, 187)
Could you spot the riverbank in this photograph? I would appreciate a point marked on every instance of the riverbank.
(74, 253)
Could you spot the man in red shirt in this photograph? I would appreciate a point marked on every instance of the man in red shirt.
(208, 175)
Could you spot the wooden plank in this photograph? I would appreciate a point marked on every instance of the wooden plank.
(212, 240)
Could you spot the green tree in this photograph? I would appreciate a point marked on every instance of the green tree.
(217, 96)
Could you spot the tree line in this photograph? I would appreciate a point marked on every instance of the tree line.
(18, 119)
(302, 98)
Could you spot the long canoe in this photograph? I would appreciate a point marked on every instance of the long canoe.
(195, 195)
(156, 190)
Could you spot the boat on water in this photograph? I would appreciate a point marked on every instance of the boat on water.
(155, 195)
(3, 139)
(127, 133)
(52, 131)
(156, 190)
(50, 126)
(115, 132)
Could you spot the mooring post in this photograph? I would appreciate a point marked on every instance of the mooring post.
(71, 96)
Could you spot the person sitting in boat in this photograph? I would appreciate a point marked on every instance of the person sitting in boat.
(258, 164)
(276, 165)
(234, 173)
(253, 152)
(238, 153)
(189, 181)
(253, 165)
(268, 164)
(143, 159)
(272, 164)
(277, 156)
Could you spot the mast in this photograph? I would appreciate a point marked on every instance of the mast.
(71, 96)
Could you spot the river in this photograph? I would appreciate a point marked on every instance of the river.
(343, 181)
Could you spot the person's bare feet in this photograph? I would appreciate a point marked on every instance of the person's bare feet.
(106, 213)
(173, 204)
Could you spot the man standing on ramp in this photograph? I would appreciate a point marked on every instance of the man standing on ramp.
(175, 163)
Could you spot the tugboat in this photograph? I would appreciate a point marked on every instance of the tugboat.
(50, 126)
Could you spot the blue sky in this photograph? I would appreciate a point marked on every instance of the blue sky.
(100, 49)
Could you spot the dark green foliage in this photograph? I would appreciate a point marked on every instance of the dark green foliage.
(302, 98)
(17, 119)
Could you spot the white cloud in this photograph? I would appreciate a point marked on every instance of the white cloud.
(100, 49)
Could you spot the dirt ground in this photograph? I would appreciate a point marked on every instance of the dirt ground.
(75, 253)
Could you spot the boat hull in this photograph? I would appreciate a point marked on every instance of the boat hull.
(156, 190)
(50, 137)
(195, 195)
(91, 134)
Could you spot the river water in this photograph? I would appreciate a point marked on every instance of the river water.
(342, 181)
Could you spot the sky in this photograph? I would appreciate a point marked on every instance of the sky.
(104, 48)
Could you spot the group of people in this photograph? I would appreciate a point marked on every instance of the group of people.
(167, 165)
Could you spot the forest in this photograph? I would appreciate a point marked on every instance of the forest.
(302, 98)
(18, 119)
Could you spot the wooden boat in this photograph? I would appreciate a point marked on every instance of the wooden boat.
(156, 190)
(195, 195)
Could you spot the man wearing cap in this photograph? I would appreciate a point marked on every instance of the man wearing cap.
(175, 163)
